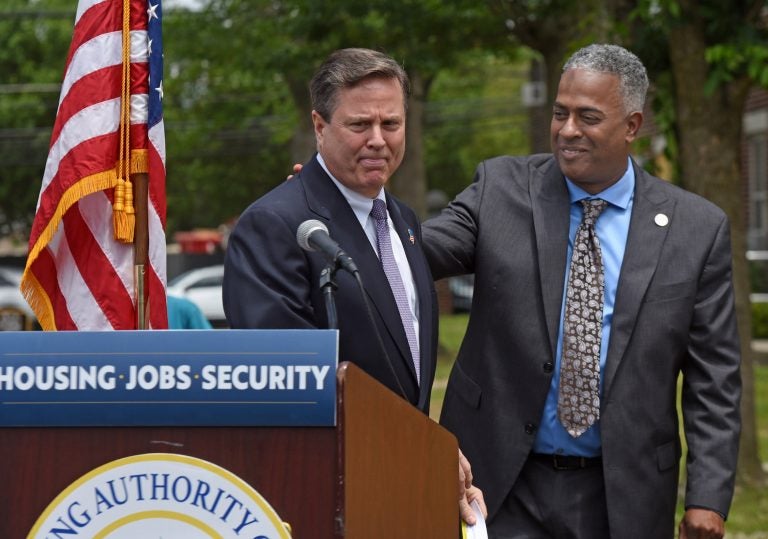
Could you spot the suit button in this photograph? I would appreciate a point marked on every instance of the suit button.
(530, 428)
(549, 367)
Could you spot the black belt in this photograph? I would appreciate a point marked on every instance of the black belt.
(568, 462)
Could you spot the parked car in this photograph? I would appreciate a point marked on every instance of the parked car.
(202, 286)
(15, 313)
(462, 287)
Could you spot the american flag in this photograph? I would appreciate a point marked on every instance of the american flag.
(78, 276)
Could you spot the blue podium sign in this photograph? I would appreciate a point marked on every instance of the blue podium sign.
(168, 378)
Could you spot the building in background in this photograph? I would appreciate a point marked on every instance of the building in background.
(755, 168)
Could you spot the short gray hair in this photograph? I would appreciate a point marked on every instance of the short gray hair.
(346, 68)
(603, 58)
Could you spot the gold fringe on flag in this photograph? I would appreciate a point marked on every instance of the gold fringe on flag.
(122, 208)
(101, 181)
(122, 211)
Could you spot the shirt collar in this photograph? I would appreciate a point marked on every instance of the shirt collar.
(619, 194)
(360, 204)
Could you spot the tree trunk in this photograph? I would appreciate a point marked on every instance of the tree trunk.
(303, 143)
(410, 181)
(540, 72)
(553, 38)
(709, 131)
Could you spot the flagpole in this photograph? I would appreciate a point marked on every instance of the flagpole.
(141, 247)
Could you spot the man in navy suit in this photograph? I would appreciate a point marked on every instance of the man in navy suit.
(358, 99)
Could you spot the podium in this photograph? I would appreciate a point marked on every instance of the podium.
(384, 471)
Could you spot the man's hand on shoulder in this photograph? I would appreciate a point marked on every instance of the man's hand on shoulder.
(296, 169)
(699, 523)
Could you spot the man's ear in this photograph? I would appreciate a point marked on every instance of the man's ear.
(634, 123)
(319, 125)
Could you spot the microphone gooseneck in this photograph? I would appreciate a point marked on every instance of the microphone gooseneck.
(312, 235)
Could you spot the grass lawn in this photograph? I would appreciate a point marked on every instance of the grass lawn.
(749, 513)
(452, 330)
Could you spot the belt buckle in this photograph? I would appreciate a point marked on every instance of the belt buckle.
(556, 463)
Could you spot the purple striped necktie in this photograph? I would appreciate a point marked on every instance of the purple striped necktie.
(387, 257)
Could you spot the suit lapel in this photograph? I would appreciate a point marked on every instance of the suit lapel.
(641, 256)
(324, 199)
(550, 206)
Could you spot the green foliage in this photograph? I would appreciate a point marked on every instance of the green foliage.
(735, 33)
(758, 276)
(33, 35)
(760, 320)
(737, 47)
(236, 72)
(664, 115)
(730, 60)
(236, 82)
(474, 113)
(227, 120)
(452, 329)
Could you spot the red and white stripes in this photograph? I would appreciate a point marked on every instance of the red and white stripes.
(78, 277)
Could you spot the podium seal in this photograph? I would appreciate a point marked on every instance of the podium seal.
(159, 495)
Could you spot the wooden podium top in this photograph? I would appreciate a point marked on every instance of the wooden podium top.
(400, 468)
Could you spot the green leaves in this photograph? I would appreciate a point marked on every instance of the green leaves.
(34, 38)
(236, 73)
(734, 60)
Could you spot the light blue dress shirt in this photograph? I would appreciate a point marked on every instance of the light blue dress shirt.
(612, 228)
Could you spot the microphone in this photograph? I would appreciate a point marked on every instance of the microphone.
(312, 235)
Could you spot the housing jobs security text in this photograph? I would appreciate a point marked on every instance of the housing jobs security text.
(153, 378)
(163, 377)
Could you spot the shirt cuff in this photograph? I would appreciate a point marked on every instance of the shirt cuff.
(724, 517)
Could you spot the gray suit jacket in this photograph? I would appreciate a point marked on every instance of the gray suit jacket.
(674, 313)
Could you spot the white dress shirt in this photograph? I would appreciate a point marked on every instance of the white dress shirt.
(362, 207)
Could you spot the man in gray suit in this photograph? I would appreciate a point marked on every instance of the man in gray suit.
(667, 308)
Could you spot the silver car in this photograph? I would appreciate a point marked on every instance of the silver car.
(202, 286)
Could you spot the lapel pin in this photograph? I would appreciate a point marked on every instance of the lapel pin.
(661, 219)
(410, 237)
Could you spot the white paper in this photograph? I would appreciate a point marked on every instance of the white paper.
(477, 530)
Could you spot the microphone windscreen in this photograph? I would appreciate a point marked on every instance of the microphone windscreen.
(306, 229)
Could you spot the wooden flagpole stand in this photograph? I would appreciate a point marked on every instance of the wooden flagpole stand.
(141, 247)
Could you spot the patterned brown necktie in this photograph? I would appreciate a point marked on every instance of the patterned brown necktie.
(578, 400)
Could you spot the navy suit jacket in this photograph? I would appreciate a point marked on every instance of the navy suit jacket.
(271, 282)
